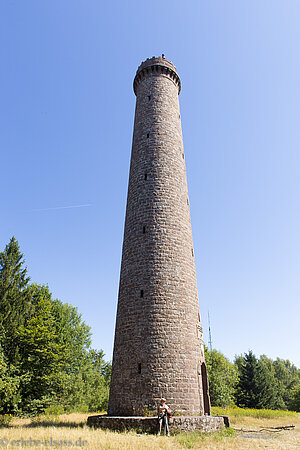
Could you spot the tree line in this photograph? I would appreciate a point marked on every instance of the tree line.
(251, 382)
(47, 363)
(46, 359)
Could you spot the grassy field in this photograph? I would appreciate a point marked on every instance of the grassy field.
(70, 430)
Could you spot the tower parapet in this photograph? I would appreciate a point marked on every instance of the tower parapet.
(156, 67)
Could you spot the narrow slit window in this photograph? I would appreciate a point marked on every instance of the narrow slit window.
(149, 97)
(147, 135)
(144, 229)
(187, 201)
(182, 155)
(145, 176)
(142, 293)
(192, 252)
(139, 368)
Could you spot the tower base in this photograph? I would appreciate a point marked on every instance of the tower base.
(150, 424)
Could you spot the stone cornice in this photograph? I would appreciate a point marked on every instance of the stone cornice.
(154, 67)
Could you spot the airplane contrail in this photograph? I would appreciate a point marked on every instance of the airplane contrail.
(63, 207)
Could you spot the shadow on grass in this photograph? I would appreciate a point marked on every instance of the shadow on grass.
(52, 423)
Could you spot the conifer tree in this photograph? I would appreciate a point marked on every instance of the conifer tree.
(246, 394)
(257, 386)
(268, 394)
(14, 298)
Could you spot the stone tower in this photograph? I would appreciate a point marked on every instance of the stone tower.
(158, 348)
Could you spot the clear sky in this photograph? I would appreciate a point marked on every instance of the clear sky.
(66, 121)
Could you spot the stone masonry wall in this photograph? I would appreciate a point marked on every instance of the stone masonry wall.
(150, 424)
(158, 348)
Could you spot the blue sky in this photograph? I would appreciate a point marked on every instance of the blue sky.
(66, 121)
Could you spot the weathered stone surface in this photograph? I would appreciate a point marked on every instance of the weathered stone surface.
(150, 424)
(158, 348)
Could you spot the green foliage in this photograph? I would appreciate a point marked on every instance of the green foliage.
(8, 386)
(46, 363)
(264, 383)
(251, 412)
(5, 419)
(14, 298)
(257, 387)
(295, 398)
(85, 379)
(195, 438)
(288, 378)
(222, 377)
(42, 354)
(267, 385)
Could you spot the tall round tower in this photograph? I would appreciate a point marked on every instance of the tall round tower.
(158, 348)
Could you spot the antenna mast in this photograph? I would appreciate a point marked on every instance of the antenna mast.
(209, 334)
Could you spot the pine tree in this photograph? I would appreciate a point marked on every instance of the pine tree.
(14, 298)
(268, 394)
(246, 394)
(257, 386)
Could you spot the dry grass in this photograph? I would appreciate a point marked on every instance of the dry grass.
(72, 427)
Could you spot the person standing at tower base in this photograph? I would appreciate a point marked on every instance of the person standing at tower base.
(163, 411)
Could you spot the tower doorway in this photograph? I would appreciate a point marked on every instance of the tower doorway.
(206, 401)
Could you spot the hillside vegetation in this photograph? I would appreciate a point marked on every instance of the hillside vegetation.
(47, 364)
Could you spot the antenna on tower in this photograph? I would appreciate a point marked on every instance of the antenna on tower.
(209, 334)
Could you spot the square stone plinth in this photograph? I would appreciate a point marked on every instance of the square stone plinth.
(150, 424)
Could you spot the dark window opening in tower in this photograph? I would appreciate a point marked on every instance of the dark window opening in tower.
(182, 155)
(142, 293)
(187, 201)
(149, 97)
(145, 176)
(144, 229)
(179, 116)
(147, 135)
(192, 252)
(139, 368)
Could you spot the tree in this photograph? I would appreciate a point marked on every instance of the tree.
(42, 354)
(288, 377)
(45, 357)
(14, 298)
(246, 394)
(99, 381)
(257, 386)
(9, 386)
(73, 333)
(269, 395)
(86, 376)
(223, 378)
(295, 399)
